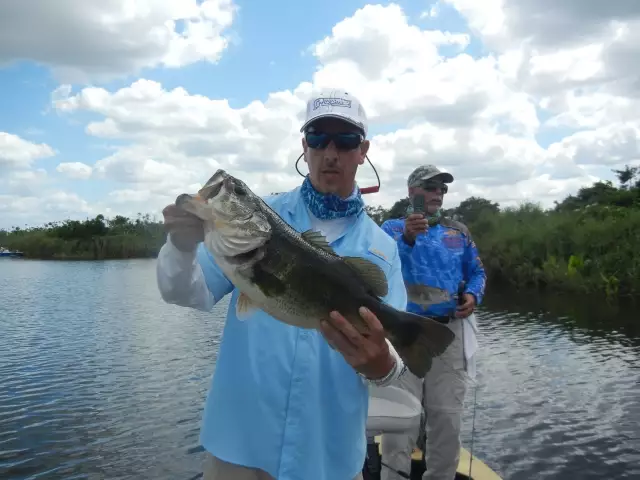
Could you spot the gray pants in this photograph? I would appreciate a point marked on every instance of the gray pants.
(216, 469)
(442, 392)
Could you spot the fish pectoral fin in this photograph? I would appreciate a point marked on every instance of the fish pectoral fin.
(318, 240)
(371, 273)
(244, 306)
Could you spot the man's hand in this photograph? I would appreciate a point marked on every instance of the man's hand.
(467, 307)
(185, 228)
(413, 225)
(368, 354)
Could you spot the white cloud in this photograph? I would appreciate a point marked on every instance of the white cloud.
(612, 145)
(528, 121)
(433, 11)
(75, 170)
(88, 40)
(24, 182)
(546, 23)
(562, 45)
(15, 152)
(38, 208)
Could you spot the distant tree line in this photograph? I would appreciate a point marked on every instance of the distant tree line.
(92, 239)
(588, 242)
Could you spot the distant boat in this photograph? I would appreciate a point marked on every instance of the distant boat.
(10, 253)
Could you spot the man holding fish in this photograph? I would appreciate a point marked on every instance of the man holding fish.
(317, 308)
(438, 255)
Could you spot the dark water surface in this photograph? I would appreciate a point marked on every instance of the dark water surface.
(100, 379)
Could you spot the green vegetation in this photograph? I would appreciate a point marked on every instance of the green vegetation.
(92, 239)
(588, 243)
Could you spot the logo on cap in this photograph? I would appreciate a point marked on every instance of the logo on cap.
(331, 102)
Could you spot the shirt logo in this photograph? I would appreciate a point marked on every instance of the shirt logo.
(453, 242)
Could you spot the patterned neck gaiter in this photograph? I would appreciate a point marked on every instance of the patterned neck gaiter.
(330, 206)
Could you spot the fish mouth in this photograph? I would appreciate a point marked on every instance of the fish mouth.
(206, 193)
(211, 189)
(214, 190)
(214, 185)
(228, 183)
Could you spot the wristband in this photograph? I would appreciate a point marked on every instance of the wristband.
(396, 372)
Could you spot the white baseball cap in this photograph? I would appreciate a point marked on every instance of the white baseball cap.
(336, 104)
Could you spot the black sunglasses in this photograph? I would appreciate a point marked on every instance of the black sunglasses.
(342, 141)
(433, 186)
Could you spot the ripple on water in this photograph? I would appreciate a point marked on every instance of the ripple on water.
(560, 405)
(101, 379)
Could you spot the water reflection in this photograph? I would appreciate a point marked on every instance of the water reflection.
(593, 315)
(558, 392)
(101, 379)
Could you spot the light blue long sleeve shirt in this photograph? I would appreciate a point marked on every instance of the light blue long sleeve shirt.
(281, 399)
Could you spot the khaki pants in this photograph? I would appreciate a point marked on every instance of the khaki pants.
(442, 393)
(216, 469)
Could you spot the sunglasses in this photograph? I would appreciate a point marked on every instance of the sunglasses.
(434, 186)
(342, 141)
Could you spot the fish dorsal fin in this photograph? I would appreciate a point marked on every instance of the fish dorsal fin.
(371, 273)
(318, 240)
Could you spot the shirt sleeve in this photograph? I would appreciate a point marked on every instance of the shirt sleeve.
(474, 272)
(216, 281)
(397, 298)
(404, 249)
(397, 293)
(181, 278)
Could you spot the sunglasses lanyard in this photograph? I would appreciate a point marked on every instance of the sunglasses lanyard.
(364, 190)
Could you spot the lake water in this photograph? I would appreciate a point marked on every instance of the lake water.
(100, 379)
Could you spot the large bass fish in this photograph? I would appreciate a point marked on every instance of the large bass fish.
(297, 278)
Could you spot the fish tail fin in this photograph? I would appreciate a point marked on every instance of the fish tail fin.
(418, 340)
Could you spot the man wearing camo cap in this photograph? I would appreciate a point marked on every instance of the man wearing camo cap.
(445, 280)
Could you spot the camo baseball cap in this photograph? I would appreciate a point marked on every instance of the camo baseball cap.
(427, 172)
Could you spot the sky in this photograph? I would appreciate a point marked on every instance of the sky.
(116, 107)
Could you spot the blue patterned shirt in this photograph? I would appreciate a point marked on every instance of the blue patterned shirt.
(441, 258)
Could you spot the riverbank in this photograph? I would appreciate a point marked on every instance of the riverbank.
(588, 243)
(586, 251)
(92, 239)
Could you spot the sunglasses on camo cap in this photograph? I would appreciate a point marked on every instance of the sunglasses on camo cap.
(342, 141)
